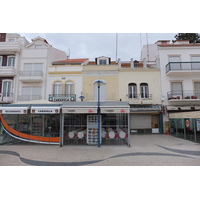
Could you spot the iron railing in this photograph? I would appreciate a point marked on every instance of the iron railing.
(179, 66)
(183, 94)
(140, 96)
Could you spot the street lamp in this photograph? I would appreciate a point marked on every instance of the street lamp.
(98, 110)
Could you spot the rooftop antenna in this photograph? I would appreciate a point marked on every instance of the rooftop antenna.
(147, 47)
(141, 44)
(116, 45)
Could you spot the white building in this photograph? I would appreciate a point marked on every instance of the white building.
(11, 46)
(35, 61)
(180, 81)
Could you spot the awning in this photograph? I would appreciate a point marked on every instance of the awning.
(13, 110)
(181, 115)
(45, 110)
(91, 107)
(146, 108)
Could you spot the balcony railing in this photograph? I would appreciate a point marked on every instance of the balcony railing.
(140, 96)
(29, 97)
(31, 73)
(6, 97)
(180, 66)
(62, 97)
(183, 94)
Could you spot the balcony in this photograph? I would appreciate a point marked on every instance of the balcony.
(7, 71)
(6, 98)
(174, 68)
(62, 97)
(184, 95)
(29, 97)
(31, 76)
(140, 98)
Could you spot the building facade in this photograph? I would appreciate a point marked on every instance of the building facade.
(179, 64)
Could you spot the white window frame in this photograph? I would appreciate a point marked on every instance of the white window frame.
(8, 58)
(144, 90)
(8, 92)
(69, 88)
(132, 90)
(57, 88)
(1, 60)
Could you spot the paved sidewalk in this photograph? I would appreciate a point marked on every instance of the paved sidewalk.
(145, 150)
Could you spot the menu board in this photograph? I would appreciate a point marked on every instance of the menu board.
(92, 129)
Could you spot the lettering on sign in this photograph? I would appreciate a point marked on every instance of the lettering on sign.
(71, 111)
(90, 111)
(110, 111)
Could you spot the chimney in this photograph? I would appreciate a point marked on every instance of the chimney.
(131, 62)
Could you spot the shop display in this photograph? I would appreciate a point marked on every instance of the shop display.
(92, 129)
(37, 125)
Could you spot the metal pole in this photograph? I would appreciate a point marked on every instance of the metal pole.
(98, 114)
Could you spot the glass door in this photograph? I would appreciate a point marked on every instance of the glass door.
(6, 90)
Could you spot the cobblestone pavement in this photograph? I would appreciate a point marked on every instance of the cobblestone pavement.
(145, 150)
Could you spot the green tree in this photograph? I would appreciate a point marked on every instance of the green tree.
(192, 37)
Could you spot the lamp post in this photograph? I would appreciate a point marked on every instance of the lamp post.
(98, 110)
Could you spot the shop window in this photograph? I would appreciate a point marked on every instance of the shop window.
(132, 90)
(144, 90)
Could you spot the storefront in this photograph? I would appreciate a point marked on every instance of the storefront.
(145, 119)
(30, 123)
(80, 123)
(69, 123)
(185, 124)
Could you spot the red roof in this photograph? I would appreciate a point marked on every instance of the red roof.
(78, 60)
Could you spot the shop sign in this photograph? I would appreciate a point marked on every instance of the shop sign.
(79, 110)
(13, 110)
(45, 110)
(114, 110)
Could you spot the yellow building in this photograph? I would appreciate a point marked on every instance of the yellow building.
(106, 71)
(139, 85)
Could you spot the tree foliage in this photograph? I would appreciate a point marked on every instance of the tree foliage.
(192, 37)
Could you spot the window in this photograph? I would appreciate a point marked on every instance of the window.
(175, 62)
(31, 93)
(176, 89)
(132, 90)
(34, 68)
(69, 88)
(102, 61)
(1, 59)
(11, 61)
(197, 89)
(6, 88)
(38, 46)
(195, 62)
(144, 90)
(57, 89)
